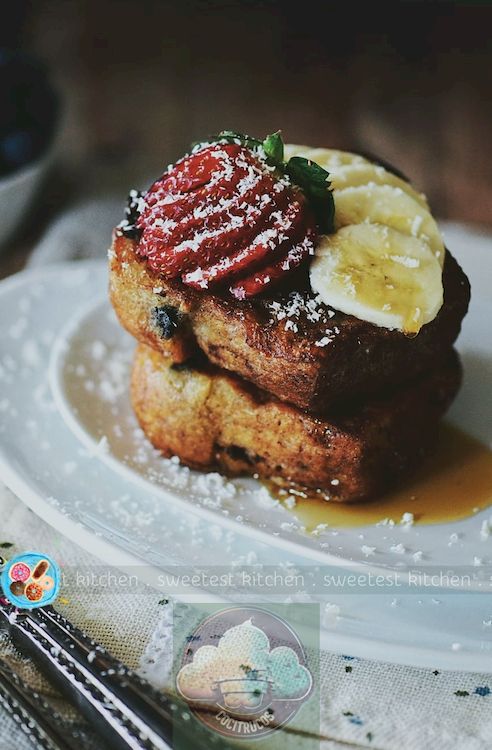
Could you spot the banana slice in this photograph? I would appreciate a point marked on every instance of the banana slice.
(353, 175)
(383, 264)
(378, 274)
(385, 204)
(327, 158)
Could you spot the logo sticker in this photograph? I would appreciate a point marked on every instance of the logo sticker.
(244, 672)
(30, 580)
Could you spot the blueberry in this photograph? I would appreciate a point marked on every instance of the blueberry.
(166, 319)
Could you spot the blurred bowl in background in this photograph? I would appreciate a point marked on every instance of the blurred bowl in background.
(17, 191)
(29, 119)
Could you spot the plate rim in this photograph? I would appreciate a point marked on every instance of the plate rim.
(88, 539)
(321, 557)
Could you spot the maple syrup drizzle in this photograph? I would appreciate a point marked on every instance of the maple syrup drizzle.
(454, 483)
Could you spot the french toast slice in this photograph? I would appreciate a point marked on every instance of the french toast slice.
(214, 420)
(287, 343)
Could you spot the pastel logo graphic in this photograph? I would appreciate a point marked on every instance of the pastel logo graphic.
(30, 580)
(251, 671)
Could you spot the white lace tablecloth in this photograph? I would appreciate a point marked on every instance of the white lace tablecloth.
(363, 703)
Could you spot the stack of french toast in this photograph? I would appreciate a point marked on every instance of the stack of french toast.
(295, 311)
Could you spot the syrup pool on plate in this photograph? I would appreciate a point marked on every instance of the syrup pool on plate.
(454, 483)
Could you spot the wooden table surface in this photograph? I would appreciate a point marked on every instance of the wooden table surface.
(410, 82)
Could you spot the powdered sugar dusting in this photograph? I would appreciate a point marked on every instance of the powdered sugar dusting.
(297, 308)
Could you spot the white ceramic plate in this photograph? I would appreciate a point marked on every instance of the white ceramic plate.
(79, 461)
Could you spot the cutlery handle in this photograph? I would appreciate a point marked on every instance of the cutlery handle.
(23, 706)
(119, 705)
(156, 710)
(109, 718)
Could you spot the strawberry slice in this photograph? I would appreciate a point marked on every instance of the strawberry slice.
(215, 239)
(257, 282)
(181, 190)
(211, 219)
(220, 214)
(195, 170)
(281, 229)
(219, 225)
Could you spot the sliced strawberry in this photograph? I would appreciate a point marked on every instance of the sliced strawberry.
(175, 204)
(219, 214)
(197, 168)
(167, 225)
(225, 233)
(257, 282)
(222, 206)
(181, 189)
(279, 231)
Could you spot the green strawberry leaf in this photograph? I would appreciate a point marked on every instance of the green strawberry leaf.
(314, 181)
(273, 146)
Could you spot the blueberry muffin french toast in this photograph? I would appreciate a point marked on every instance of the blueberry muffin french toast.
(295, 309)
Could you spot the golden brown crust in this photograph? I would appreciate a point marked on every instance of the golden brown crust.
(215, 421)
(247, 338)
